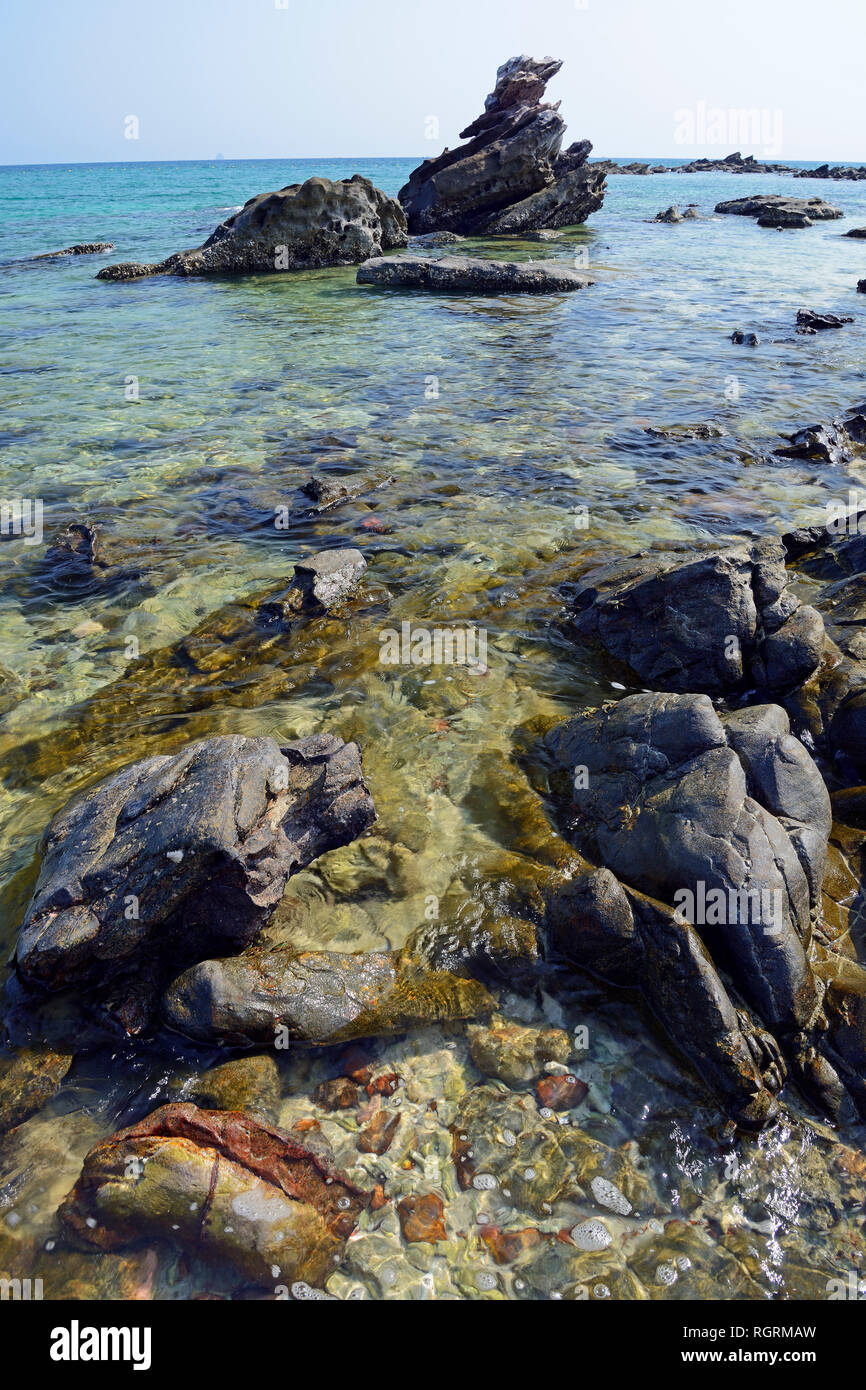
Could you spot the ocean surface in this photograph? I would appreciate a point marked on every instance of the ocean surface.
(180, 414)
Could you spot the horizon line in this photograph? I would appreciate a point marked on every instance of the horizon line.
(311, 158)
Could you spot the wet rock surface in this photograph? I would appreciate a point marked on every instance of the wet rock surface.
(221, 1184)
(510, 176)
(303, 226)
(778, 210)
(471, 275)
(81, 248)
(180, 856)
(718, 624)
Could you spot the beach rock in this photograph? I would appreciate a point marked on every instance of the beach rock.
(777, 209)
(744, 339)
(806, 319)
(861, 286)
(561, 1092)
(514, 1053)
(182, 856)
(686, 431)
(510, 176)
(379, 1133)
(859, 232)
(471, 275)
(29, 1078)
(672, 214)
(325, 581)
(245, 1083)
(422, 1218)
(220, 1185)
(436, 239)
(338, 1093)
(326, 492)
(73, 555)
(819, 443)
(84, 248)
(716, 624)
(316, 996)
(301, 227)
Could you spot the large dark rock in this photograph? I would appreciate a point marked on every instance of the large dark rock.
(182, 857)
(510, 176)
(301, 227)
(81, 248)
(471, 275)
(777, 209)
(716, 624)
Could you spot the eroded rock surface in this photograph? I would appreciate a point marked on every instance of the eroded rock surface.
(471, 275)
(301, 227)
(510, 176)
(183, 856)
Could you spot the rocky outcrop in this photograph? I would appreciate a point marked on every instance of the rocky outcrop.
(221, 1185)
(182, 857)
(471, 275)
(810, 322)
(725, 821)
(777, 210)
(316, 996)
(829, 443)
(722, 623)
(510, 176)
(82, 248)
(301, 227)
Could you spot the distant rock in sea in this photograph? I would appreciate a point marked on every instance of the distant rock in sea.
(510, 176)
(304, 226)
(81, 248)
(777, 210)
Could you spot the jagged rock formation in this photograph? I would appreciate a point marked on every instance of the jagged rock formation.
(777, 210)
(304, 226)
(510, 176)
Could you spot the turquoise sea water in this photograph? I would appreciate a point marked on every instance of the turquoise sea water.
(498, 419)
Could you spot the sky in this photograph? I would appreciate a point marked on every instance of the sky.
(96, 80)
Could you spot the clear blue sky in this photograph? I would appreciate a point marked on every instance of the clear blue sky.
(246, 78)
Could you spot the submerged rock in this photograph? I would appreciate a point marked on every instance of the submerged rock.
(28, 1080)
(510, 176)
(808, 320)
(323, 582)
(821, 443)
(301, 227)
(316, 996)
(181, 856)
(716, 624)
(671, 214)
(471, 275)
(81, 248)
(221, 1185)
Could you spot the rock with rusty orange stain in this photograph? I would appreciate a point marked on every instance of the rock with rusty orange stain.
(377, 1137)
(422, 1218)
(505, 1246)
(384, 1085)
(561, 1092)
(219, 1184)
(357, 1064)
(337, 1094)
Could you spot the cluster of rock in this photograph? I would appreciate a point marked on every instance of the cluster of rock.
(321, 222)
(777, 210)
(736, 163)
(512, 175)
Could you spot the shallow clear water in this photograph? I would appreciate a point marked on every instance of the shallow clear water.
(498, 419)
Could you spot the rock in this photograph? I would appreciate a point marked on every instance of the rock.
(672, 214)
(28, 1080)
(510, 177)
(301, 227)
(327, 492)
(182, 856)
(436, 239)
(561, 1092)
(245, 1083)
(91, 248)
(859, 232)
(806, 319)
(745, 339)
(691, 213)
(377, 1137)
(779, 210)
(819, 443)
(514, 1053)
(326, 580)
(220, 1185)
(727, 822)
(508, 1246)
(471, 275)
(337, 1094)
(422, 1218)
(317, 996)
(73, 554)
(848, 731)
(861, 286)
(683, 431)
(715, 624)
